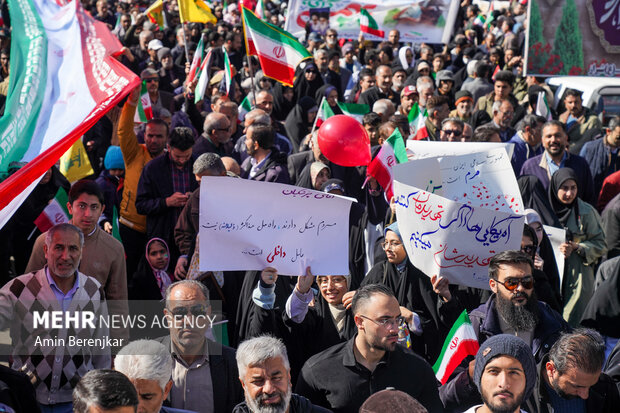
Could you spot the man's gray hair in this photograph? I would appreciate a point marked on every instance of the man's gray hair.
(214, 120)
(210, 163)
(383, 106)
(257, 350)
(496, 105)
(530, 120)
(146, 360)
(424, 82)
(64, 227)
(189, 284)
(455, 121)
(319, 52)
(257, 116)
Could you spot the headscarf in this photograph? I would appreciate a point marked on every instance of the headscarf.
(324, 92)
(281, 106)
(315, 169)
(535, 197)
(402, 56)
(394, 228)
(301, 86)
(162, 277)
(296, 124)
(562, 210)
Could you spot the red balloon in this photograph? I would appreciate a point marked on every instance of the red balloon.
(344, 141)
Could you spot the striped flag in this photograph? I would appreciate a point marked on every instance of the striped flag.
(55, 212)
(278, 51)
(369, 25)
(417, 122)
(155, 13)
(144, 111)
(479, 20)
(194, 69)
(204, 75)
(244, 108)
(62, 68)
(460, 343)
(227, 72)
(355, 110)
(197, 11)
(260, 9)
(392, 151)
(542, 107)
(490, 16)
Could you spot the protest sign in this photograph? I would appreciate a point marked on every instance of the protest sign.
(557, 236)
(250, 225)
(483, 179)
(452, 239)
(429, 149)
(582, 40)
(418, 21)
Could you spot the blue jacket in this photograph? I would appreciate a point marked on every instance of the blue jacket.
(460, 392)
(522, 152)
(599, 157)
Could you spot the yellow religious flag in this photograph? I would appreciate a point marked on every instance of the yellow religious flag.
(155, 13)
(197, 11)
(74, 164)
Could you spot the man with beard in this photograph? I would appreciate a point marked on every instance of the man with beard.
(265, 375)
(512, 309)
(342, 377)
(505, 374)
(571, 378)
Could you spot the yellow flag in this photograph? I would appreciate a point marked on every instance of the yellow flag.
(74, 164)
(155, 13)
(196, 11)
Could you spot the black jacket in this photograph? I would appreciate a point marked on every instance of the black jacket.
(335, 380)
(227, 391)
(460, 393)
(298, 404)
(373, 94)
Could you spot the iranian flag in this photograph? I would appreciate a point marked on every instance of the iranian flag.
(63, 74)
(260, 9)
(369, 25)
(542, 107)
(244, 108)
(479, 20)
(144, 111)
(194, 69)
(392, 151)
(355, 110)
(55, 212)
(490, 16)
(278, 51)
(204, 73)
(460, 343)
(227, 72)
(417, 123)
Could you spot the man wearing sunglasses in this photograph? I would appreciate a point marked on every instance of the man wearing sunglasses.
(452, 130)
(204, 373)
(342, 377)
(513, 309)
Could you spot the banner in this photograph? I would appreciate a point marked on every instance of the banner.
(250, 225)
(452, 239)
(65, 79)
(586, 38)
(428, 149)
(483, 179)
(417, 20)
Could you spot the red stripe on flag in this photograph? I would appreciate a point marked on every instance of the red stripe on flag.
(378, 170)
(370, 30)
(465, 348)
(276, 70)
(43, 222)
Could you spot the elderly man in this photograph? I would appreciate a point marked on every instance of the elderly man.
(408, 97)
(513, 309)
(215, 137)
(570, 378)
(46, 352)
(259, 116)
(503, 112)
(148, 365)
(384, 108)
(204, 373)
(382, 89)
(577, 120)
(105, 391)
(452, 130)
(344, 376)
(556, 156)
(265, 374)
(464, 106)
(505, 374)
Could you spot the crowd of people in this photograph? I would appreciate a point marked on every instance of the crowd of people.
(364, 341)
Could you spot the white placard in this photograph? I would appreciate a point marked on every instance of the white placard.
(452, 239)
(250, 225)
(429, 149)
(557, 236)
(484, 179)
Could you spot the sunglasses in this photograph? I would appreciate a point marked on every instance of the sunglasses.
(151, 80)
(196, 310)
(511, 284)
(454, 132)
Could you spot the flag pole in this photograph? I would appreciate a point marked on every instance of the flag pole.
(185, 37)
(247, 54)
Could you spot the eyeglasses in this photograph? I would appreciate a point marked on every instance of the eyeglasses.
(152, 79)
(390, 245)
(528, 249)
(387, 322)
(511, 284)
(454, 132)
(198, 309)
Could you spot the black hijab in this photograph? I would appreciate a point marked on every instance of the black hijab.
(281, 106)
(324, 92)
(561, 209)
(296, 124)
(301, 86)
(535, 197)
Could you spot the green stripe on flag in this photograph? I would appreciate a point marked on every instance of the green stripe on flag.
(463, 319)
(274, 33)
(397, 143)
